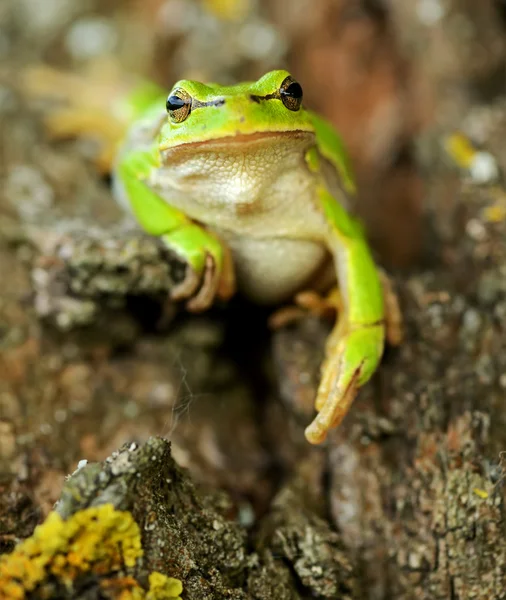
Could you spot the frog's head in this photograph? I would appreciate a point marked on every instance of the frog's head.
(199, 113)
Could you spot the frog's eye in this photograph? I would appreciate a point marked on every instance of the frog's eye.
(179, 105)
(291, 93)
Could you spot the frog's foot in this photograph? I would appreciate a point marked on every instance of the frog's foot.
(81, 106)
(43, 81)
(393, 315)
(209, 272)
(307, 302)
(98, 104)
(351, 358)
(92, 124)
(330, 305)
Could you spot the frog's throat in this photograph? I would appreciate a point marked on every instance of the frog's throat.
(237, 138)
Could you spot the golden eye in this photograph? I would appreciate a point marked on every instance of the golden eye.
(179, 105)
(291, 93)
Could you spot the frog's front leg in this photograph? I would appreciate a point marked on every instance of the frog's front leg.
(99, 103)
(355, 345)
(210, 270)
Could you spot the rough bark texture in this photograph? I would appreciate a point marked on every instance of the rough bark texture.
(406, 499)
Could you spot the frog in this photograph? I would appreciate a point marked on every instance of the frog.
(253, 191)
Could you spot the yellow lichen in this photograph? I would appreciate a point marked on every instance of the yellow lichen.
(496, 213)
(101, 540)
(232, 10)
(460, 149)
(163, 588)
(480, 493)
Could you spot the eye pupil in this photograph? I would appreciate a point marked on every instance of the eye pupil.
(294, 90)
(291, 94)
(174, 102)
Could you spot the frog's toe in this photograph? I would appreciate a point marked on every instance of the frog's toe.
(209, 268)
(187, 287)
(199, 287)
(226, 284)
(217, 281)
(203, 299)
(307, 302)
(334, 404)
(393, 314)
(349, 364)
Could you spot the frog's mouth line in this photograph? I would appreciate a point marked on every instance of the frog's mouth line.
(239, 138)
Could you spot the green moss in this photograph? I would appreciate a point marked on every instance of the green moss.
(101, 541)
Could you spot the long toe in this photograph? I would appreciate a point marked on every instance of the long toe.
(187, 287)
(205, 296)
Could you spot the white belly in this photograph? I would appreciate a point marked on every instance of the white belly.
(271, 270)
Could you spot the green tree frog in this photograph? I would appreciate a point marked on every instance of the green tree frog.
(248, 186)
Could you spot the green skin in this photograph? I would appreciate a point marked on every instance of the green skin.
(172, 175)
